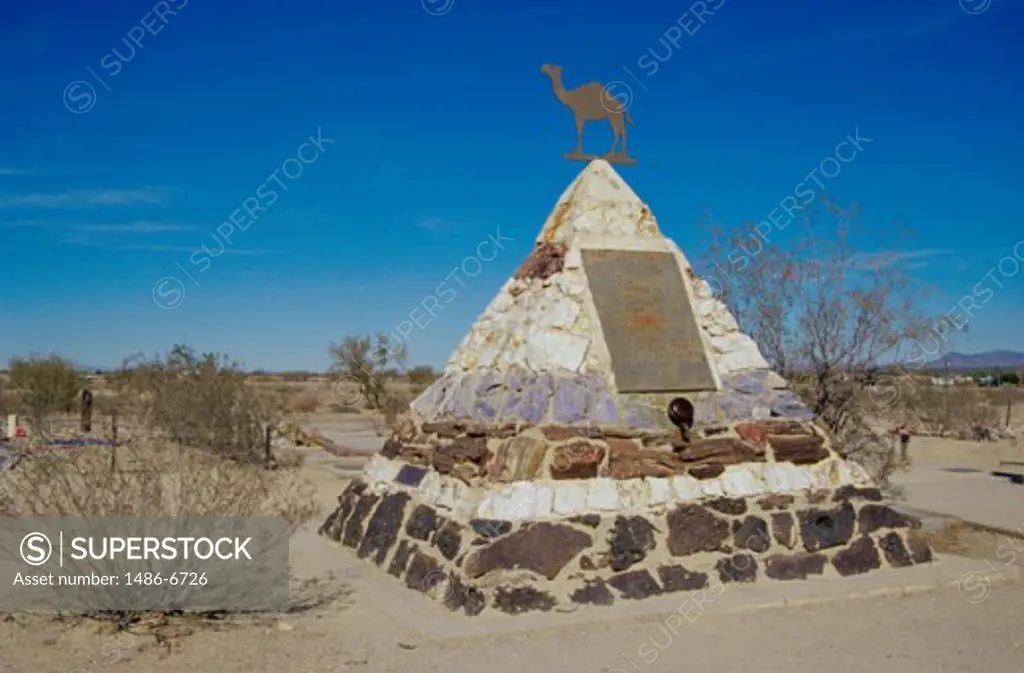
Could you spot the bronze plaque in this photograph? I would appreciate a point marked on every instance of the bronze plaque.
(649, 326)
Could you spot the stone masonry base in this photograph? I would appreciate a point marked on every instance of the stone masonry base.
(599, 559)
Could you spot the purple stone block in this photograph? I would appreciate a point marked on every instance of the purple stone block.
(640, 417)
(484, 409)
(487, 384)
(410, 475)
(446, 405)
(465, 396)
(531, 404)
(788, 405)
(751, 383)
(572, 398)
(737, 406)
(428, 401)
(518, 378)
(705, 410)
(606, 409)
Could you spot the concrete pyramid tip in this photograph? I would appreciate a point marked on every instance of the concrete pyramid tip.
(598, 202)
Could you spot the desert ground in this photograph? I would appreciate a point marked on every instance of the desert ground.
(347, 629)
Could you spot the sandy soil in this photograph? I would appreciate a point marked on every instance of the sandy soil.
(928, 632)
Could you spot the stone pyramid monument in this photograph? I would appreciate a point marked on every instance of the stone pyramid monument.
(543, 468)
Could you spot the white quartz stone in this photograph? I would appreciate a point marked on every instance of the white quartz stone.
(452, 491)
(741, 481)
(603, 495)
(712, 488)
(549, 351)
(660, 490)
(430, 487)
(717, 319)
(570, 498)
(514, 503)
(557, 311)
(687, 488)
(633, 494)
(760, 413)
(571, 283)
(485, 507)
(545, 501)
(573, 258)
(786, 478)
(739, 360)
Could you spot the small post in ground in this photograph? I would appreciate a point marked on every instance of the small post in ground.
(266, 447)
(113, 440)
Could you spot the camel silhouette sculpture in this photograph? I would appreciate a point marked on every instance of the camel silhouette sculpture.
(592, 101)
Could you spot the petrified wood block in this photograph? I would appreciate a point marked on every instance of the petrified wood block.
(544, 548)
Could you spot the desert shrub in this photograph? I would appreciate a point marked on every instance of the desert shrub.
(395, 405)
(45, 384)
(943, 411)
(422, 375)
(200, 401)
(149, 480)
(305, 402)
(363, 361)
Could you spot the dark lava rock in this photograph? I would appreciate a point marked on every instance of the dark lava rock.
(920, 552)
(775, 501)
(475, 601)
(706, 471)
(383, 527)
(635, 585)
(825, 528)
(354, 525)
(462, 450)
(692, 529)
(422, 522)
(795, 567)
(678, 578)
(752, 534)
(392, 448)
(737, 568)
(591, 520)
(895, 551)
(783, 529)
(517, 600)
(401, 559)
(446, 429)
(544, 548)
(448, 540)
(733, 506)
(860, 557)
(410, 475)
(876, 517)
(490, 527)
(457, 594)
(424, 573)
(630, 541)
(593, 593)
(851, 492)
(546, 260)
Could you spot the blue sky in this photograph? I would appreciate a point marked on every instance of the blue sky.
(437, 130)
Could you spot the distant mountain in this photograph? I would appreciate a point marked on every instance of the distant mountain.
(989, 360)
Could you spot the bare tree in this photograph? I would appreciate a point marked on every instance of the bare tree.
(364, 360)
(822, 311)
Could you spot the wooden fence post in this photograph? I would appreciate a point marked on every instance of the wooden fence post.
(266, 447)
(113, 440)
